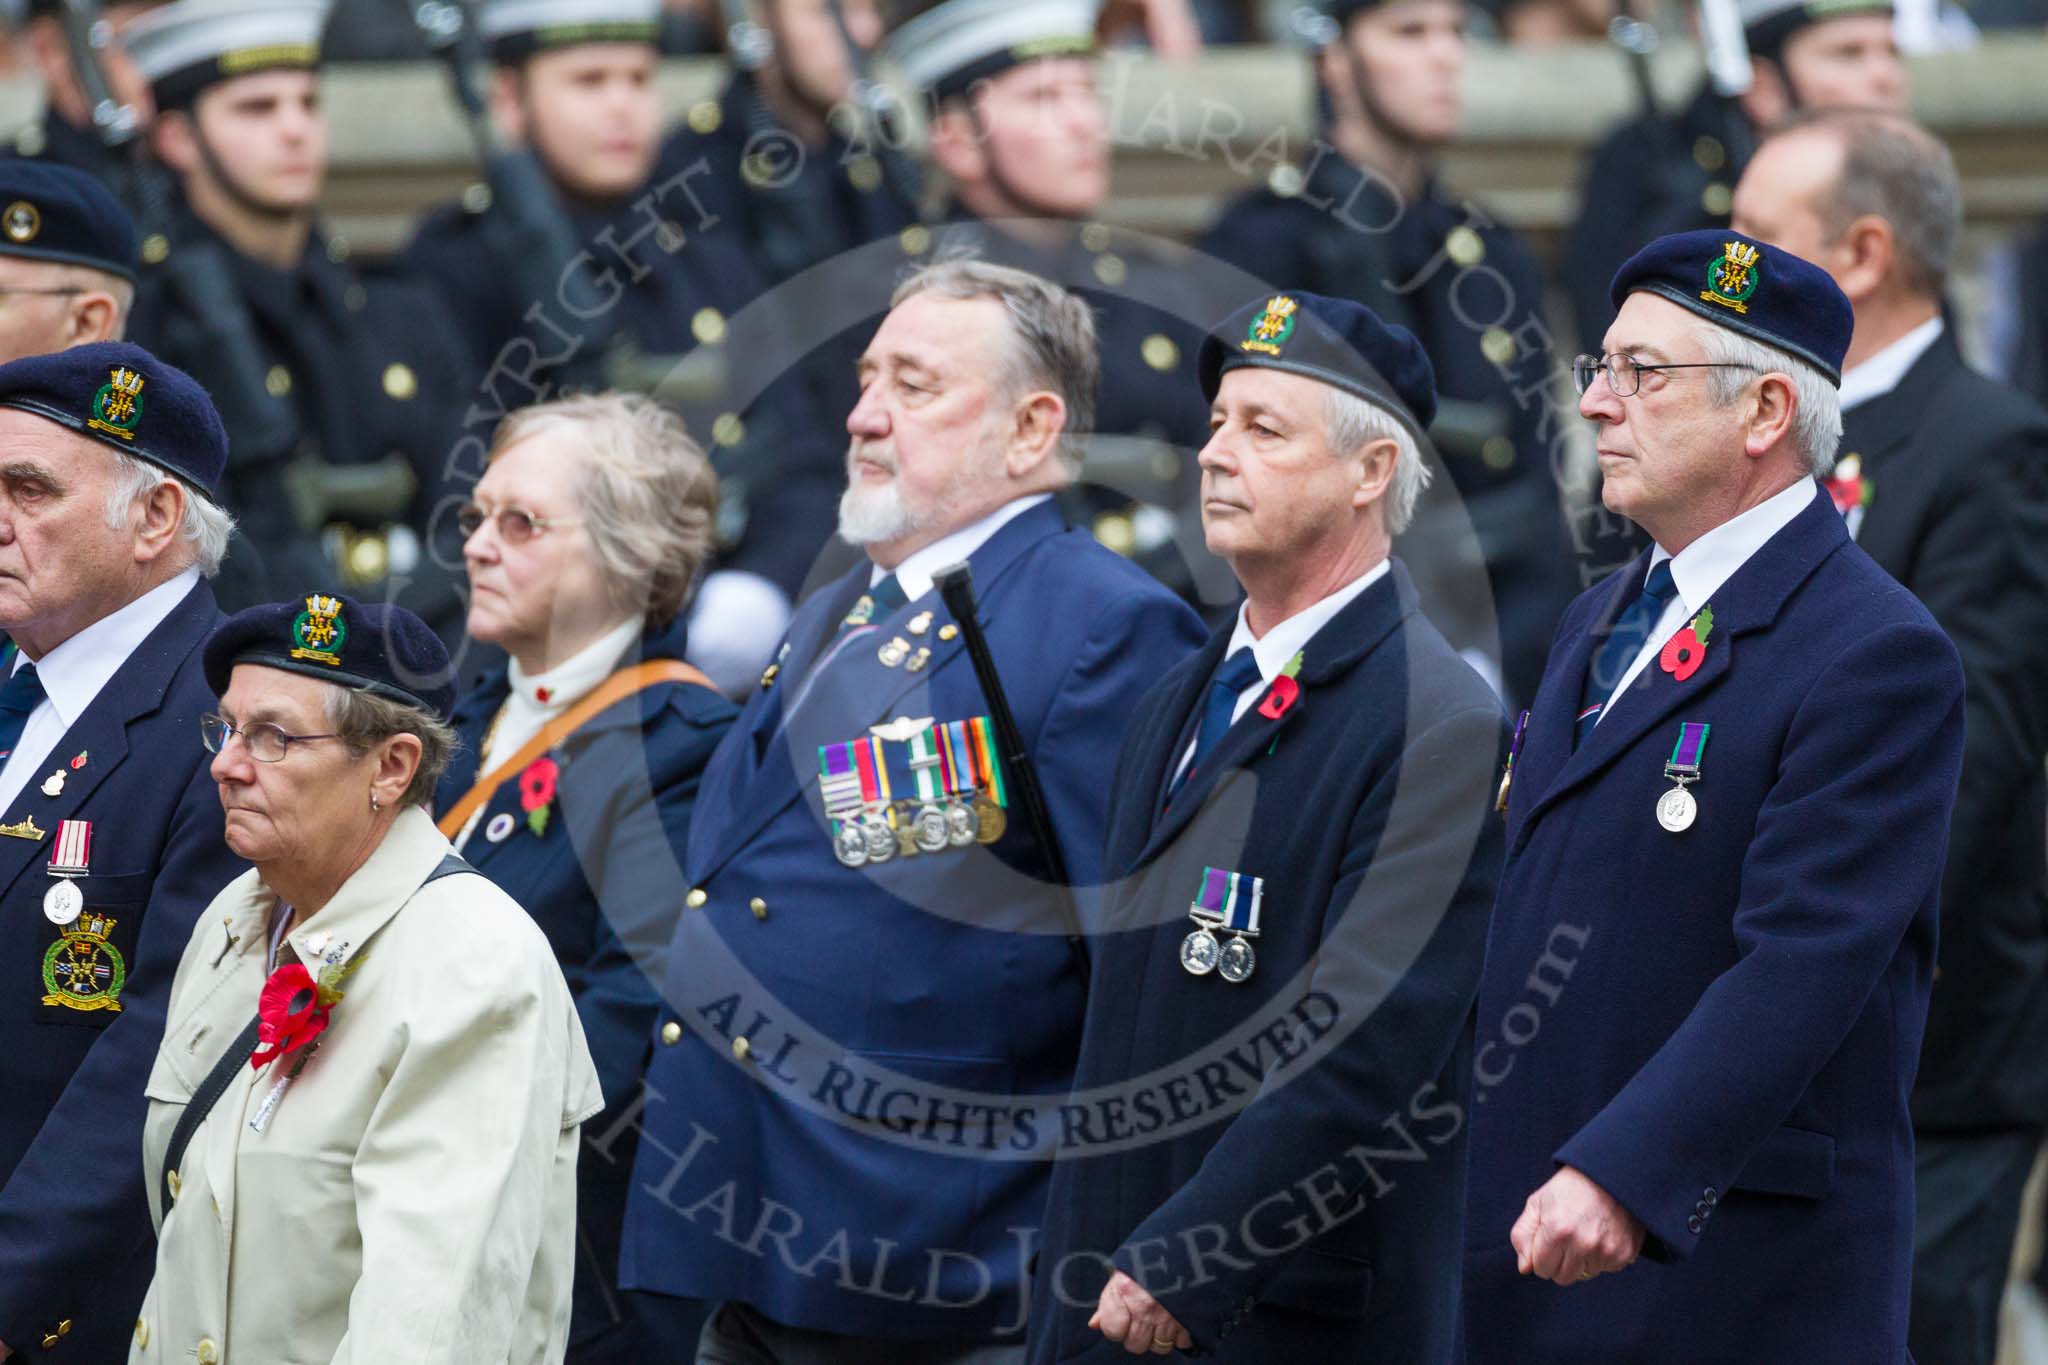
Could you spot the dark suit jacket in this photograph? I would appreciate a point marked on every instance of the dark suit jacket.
(944, 978)
(75, 1243)
(600, 880)
(1958, 512)
(1720, 1026)
(1367, 807)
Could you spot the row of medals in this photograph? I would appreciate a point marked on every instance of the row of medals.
(1201, 953)
(920, 827)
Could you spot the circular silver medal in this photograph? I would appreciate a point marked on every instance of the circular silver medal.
(961, 824)
(928, 827)
(849, 844)
(1237, 961)
(1676, 810)
(63, 902)
(881, 840)
(1198, 952)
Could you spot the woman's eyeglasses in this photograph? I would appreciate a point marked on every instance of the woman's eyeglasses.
(515, 525)
(266, 743)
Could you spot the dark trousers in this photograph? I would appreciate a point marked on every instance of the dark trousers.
(737, 1335)
(655, 1330)
(1967, 1212)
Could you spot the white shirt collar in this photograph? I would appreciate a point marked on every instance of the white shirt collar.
(1272, 651)
(1880, 374)
(914, 574)
(570, 679)
(73, 673)
(1702, 567)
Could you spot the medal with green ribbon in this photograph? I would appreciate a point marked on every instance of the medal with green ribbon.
(1676, 809)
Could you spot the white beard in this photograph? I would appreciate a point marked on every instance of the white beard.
(874, 516)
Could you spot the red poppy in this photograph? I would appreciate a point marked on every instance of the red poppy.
(1683, 654)
(289, 1014)
(1847, 493)
(537, 784)
(1279, 697)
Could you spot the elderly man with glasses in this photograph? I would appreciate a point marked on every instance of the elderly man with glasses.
(110, 829)
(1709, 964)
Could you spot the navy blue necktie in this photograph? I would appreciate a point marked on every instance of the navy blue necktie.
(1238, 672)
(1621, 646)
(883, 599)
(21, 694)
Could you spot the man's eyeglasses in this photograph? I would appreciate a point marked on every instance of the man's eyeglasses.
(515, 525)
(1625, 373)
(266, 743)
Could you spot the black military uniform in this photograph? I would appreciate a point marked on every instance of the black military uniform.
(1663, 173)
(1152, 306)
(1471, 292)
(53, 138)
(371, 383)
(648, 280)
(791, 210)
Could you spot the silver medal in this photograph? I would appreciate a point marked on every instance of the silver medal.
(63, 902)
(929, 828)
(1676, 810)
(961, 824)
(850, 844)
(1237, 961)
(880, 839)
(1198, 952)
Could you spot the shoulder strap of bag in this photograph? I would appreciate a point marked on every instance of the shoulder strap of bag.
(625, 683)
(237, 1056)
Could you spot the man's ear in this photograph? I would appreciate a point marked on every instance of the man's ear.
(1773, 409)
(174, 138)
(955, 144)
(1040, 421)
(507, 100)
(1768, 98)
(93, 316)
(159, 519)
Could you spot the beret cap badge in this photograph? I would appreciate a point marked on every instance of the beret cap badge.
(318, 631)
(1732, 276)
(21, 222)
(117, 407)
(1271, 328)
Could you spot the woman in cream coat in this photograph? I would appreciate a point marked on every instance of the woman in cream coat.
(391, 1175)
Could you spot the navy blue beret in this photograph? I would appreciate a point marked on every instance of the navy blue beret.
(382, 649)
(1749, 287)
(1335, 340)
(118, 393)
(53, 212)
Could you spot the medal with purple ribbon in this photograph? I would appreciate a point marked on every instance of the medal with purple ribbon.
(839, 783)
(1676, 809)
(1230, 902)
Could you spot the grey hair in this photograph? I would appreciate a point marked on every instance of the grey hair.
(363, 720)
(650, 498)
(207, 524)
(1351, 423)
(1817, 414)
(104, 282)
(1052, 341)
(1893, 169)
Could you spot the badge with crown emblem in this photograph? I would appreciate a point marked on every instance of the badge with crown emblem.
(317, 632)
(1733, 276)
(117, 407)
(83, 970)
(1271, 328)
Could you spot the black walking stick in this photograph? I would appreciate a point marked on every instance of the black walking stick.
(955, 583)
